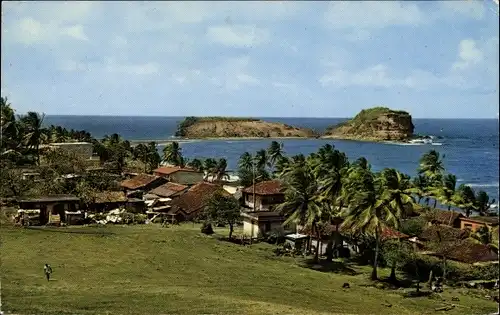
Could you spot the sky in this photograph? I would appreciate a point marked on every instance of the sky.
(265, 59)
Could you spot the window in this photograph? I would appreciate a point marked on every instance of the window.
(468, 226)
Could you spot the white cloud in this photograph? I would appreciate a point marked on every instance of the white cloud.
(371, 14)
(238, 35)
(283, 85)
(380, 76)
(358, 35)
(468, 55)
(245, 78)
(75, 31)
(119, 41)
(111, 66)
(474, 9)
(29, 31)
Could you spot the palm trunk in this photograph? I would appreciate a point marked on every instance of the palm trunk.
(419, 199)
(316, 255)
(329, 247)
(449, 207)
(435, 203)
(375, 261)
(392, 277)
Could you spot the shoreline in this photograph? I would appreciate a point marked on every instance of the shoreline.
(188, 140)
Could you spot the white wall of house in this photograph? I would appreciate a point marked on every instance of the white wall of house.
(254, 229)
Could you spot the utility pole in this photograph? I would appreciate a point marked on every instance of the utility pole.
(253, 183)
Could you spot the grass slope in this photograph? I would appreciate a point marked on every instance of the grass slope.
(177, 270)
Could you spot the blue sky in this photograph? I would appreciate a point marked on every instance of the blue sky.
(293, 59)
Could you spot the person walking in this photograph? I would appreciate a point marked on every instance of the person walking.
(48, 271)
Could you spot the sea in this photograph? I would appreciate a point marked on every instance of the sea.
(470, 147)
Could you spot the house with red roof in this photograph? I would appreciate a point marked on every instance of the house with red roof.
(267, 194)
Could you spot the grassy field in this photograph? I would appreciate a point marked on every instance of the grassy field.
(177, 270)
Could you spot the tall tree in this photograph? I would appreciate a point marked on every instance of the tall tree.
(172, 154)
(371, 209)
(420, 186)
(301, 205)
(487, 236)
(196, 164)
(431, 166)
(447, 190)
(465, 199)
(261, 159)
(223, 209)
(210, 166)
(275, 153)
(483, 203)
(221, 170)
(32, 124)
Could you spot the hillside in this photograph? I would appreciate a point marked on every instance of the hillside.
(146, 269)
(228, 127)
(374, 124)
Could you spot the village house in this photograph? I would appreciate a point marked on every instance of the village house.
(52, 208)
(267, 195)
(474, 223)
(191, 203)
(259, 223)
(141, 183)
(466, 251)
(445, 217)
(108, 200)
(184, 176)
(169, 190)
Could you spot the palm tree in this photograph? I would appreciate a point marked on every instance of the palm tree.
(210, 167)
(246, 161)
(281, 165)
(275, 152)
(397, 194)
(447, 190)
(331, 167)
(172, 153)
(420, 186)
(261, 159)
(483, 203)
(196, 164)
(431, 166)
(465, 199)
(370, 209)
(301, 199)
(153, 157)
(220, 170)
(33, 130)
(487, 236)
(141, 152)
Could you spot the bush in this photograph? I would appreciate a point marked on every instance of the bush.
(206, 228)
(274, 237)
(413, 226)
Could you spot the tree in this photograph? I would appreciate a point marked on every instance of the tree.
(465, 199)
(172, 154)
(12, 183)
(431, 166)
(220, 170)
(196, 164)
(153, 157)
(261, 159)
(275, 152)
(483, 203)
(397, 254)
(223, 209)
(210, 165)
(486, 235)
(445, 192)
(331, 167)
(246, 161)
(372, 208)
(420, 186)
(140, 152)
(32, 124)
(301, 205)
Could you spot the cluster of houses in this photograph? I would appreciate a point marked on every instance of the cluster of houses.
(178, 194)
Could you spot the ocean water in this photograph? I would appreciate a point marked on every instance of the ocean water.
(470, 146)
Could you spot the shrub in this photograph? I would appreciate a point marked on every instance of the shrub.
(274, 237)
(206, 228)
(413, 226)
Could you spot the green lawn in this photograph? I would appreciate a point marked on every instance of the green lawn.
(177, 270)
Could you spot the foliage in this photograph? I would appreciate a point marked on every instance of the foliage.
(206, 228)
(191, 120)
(12, 183)
(148, 155)
(172, 154)
(397, 255)
(465, 199)
(196, 164)
(223, 209)
(483, 203)
(413, 226)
